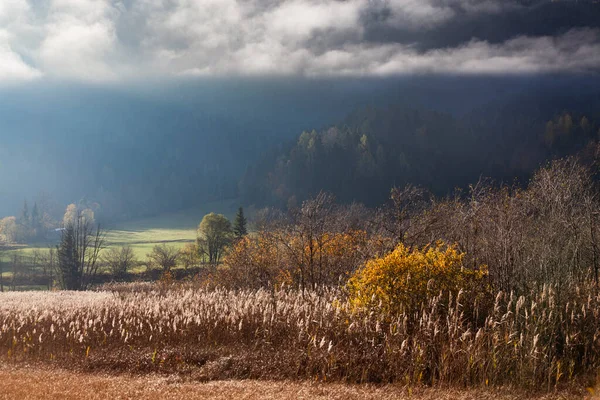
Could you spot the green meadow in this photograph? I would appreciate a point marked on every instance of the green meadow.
(175, 229)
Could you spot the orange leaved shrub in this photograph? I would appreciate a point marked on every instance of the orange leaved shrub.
(253, 262)
(273, 258)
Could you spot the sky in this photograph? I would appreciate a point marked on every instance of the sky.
(115, 41)
(116, 71)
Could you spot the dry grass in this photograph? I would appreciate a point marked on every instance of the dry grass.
(533, 342)
(27, 383)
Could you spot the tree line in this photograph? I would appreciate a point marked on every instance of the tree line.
(373, 149)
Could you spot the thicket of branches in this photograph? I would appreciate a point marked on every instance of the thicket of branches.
(546, 233)
(543, 233)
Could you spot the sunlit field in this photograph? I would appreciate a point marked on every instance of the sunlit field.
(174, 229)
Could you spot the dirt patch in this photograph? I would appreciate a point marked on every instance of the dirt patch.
(38, 382)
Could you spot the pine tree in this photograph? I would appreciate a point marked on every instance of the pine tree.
(239, 225)
(24, 220)
(35, 217)
(68, 257)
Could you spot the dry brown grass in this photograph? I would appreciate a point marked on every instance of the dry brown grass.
(532, 342)
(27, 383)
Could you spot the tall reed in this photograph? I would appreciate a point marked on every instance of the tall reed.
(529, 341)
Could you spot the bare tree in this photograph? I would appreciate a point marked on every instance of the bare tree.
(48, 261)
(164, 257)
(78, 253)
(305, 235)
(545, 233)
(119, 260)
(402, 219)
(189, 255)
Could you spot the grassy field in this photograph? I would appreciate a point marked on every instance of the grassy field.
(176, 229)
(188, 342)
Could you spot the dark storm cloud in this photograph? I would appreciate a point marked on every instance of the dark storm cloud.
(117, 40)
(493, 22)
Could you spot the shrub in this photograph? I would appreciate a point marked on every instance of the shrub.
(324, 259)
(404, 279)
(273, 258)
(189, 255)
(164, 257)
(252, 262)
(119, 261)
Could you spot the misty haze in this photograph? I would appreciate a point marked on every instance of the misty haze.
(240, 194)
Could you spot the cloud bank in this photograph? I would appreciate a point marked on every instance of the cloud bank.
(119, 40)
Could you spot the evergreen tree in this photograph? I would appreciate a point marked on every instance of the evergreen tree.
(68, 256)
(239, 225)
(24, 220)
(35, 217)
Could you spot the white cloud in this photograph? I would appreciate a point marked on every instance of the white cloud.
(75, 50)
(297, 20)
(12, 67)
(113, 40)
(11, 9)
(80, 41)
(418, 14)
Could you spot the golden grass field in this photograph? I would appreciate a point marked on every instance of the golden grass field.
(213, 335)
(38, 382)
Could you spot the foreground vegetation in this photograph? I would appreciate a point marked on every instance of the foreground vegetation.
(528, 341)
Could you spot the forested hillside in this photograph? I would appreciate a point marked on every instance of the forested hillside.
(373, 149)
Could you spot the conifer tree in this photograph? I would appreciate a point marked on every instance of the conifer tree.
(239, 225)
(35, 217)
(24, 220)
(68, 257)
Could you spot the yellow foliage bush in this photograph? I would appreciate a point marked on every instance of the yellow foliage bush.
(253, 261)
(325, 259)
(404, 279)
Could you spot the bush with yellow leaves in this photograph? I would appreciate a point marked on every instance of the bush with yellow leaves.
(280, 257)
(252, 262)
(406, 278)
